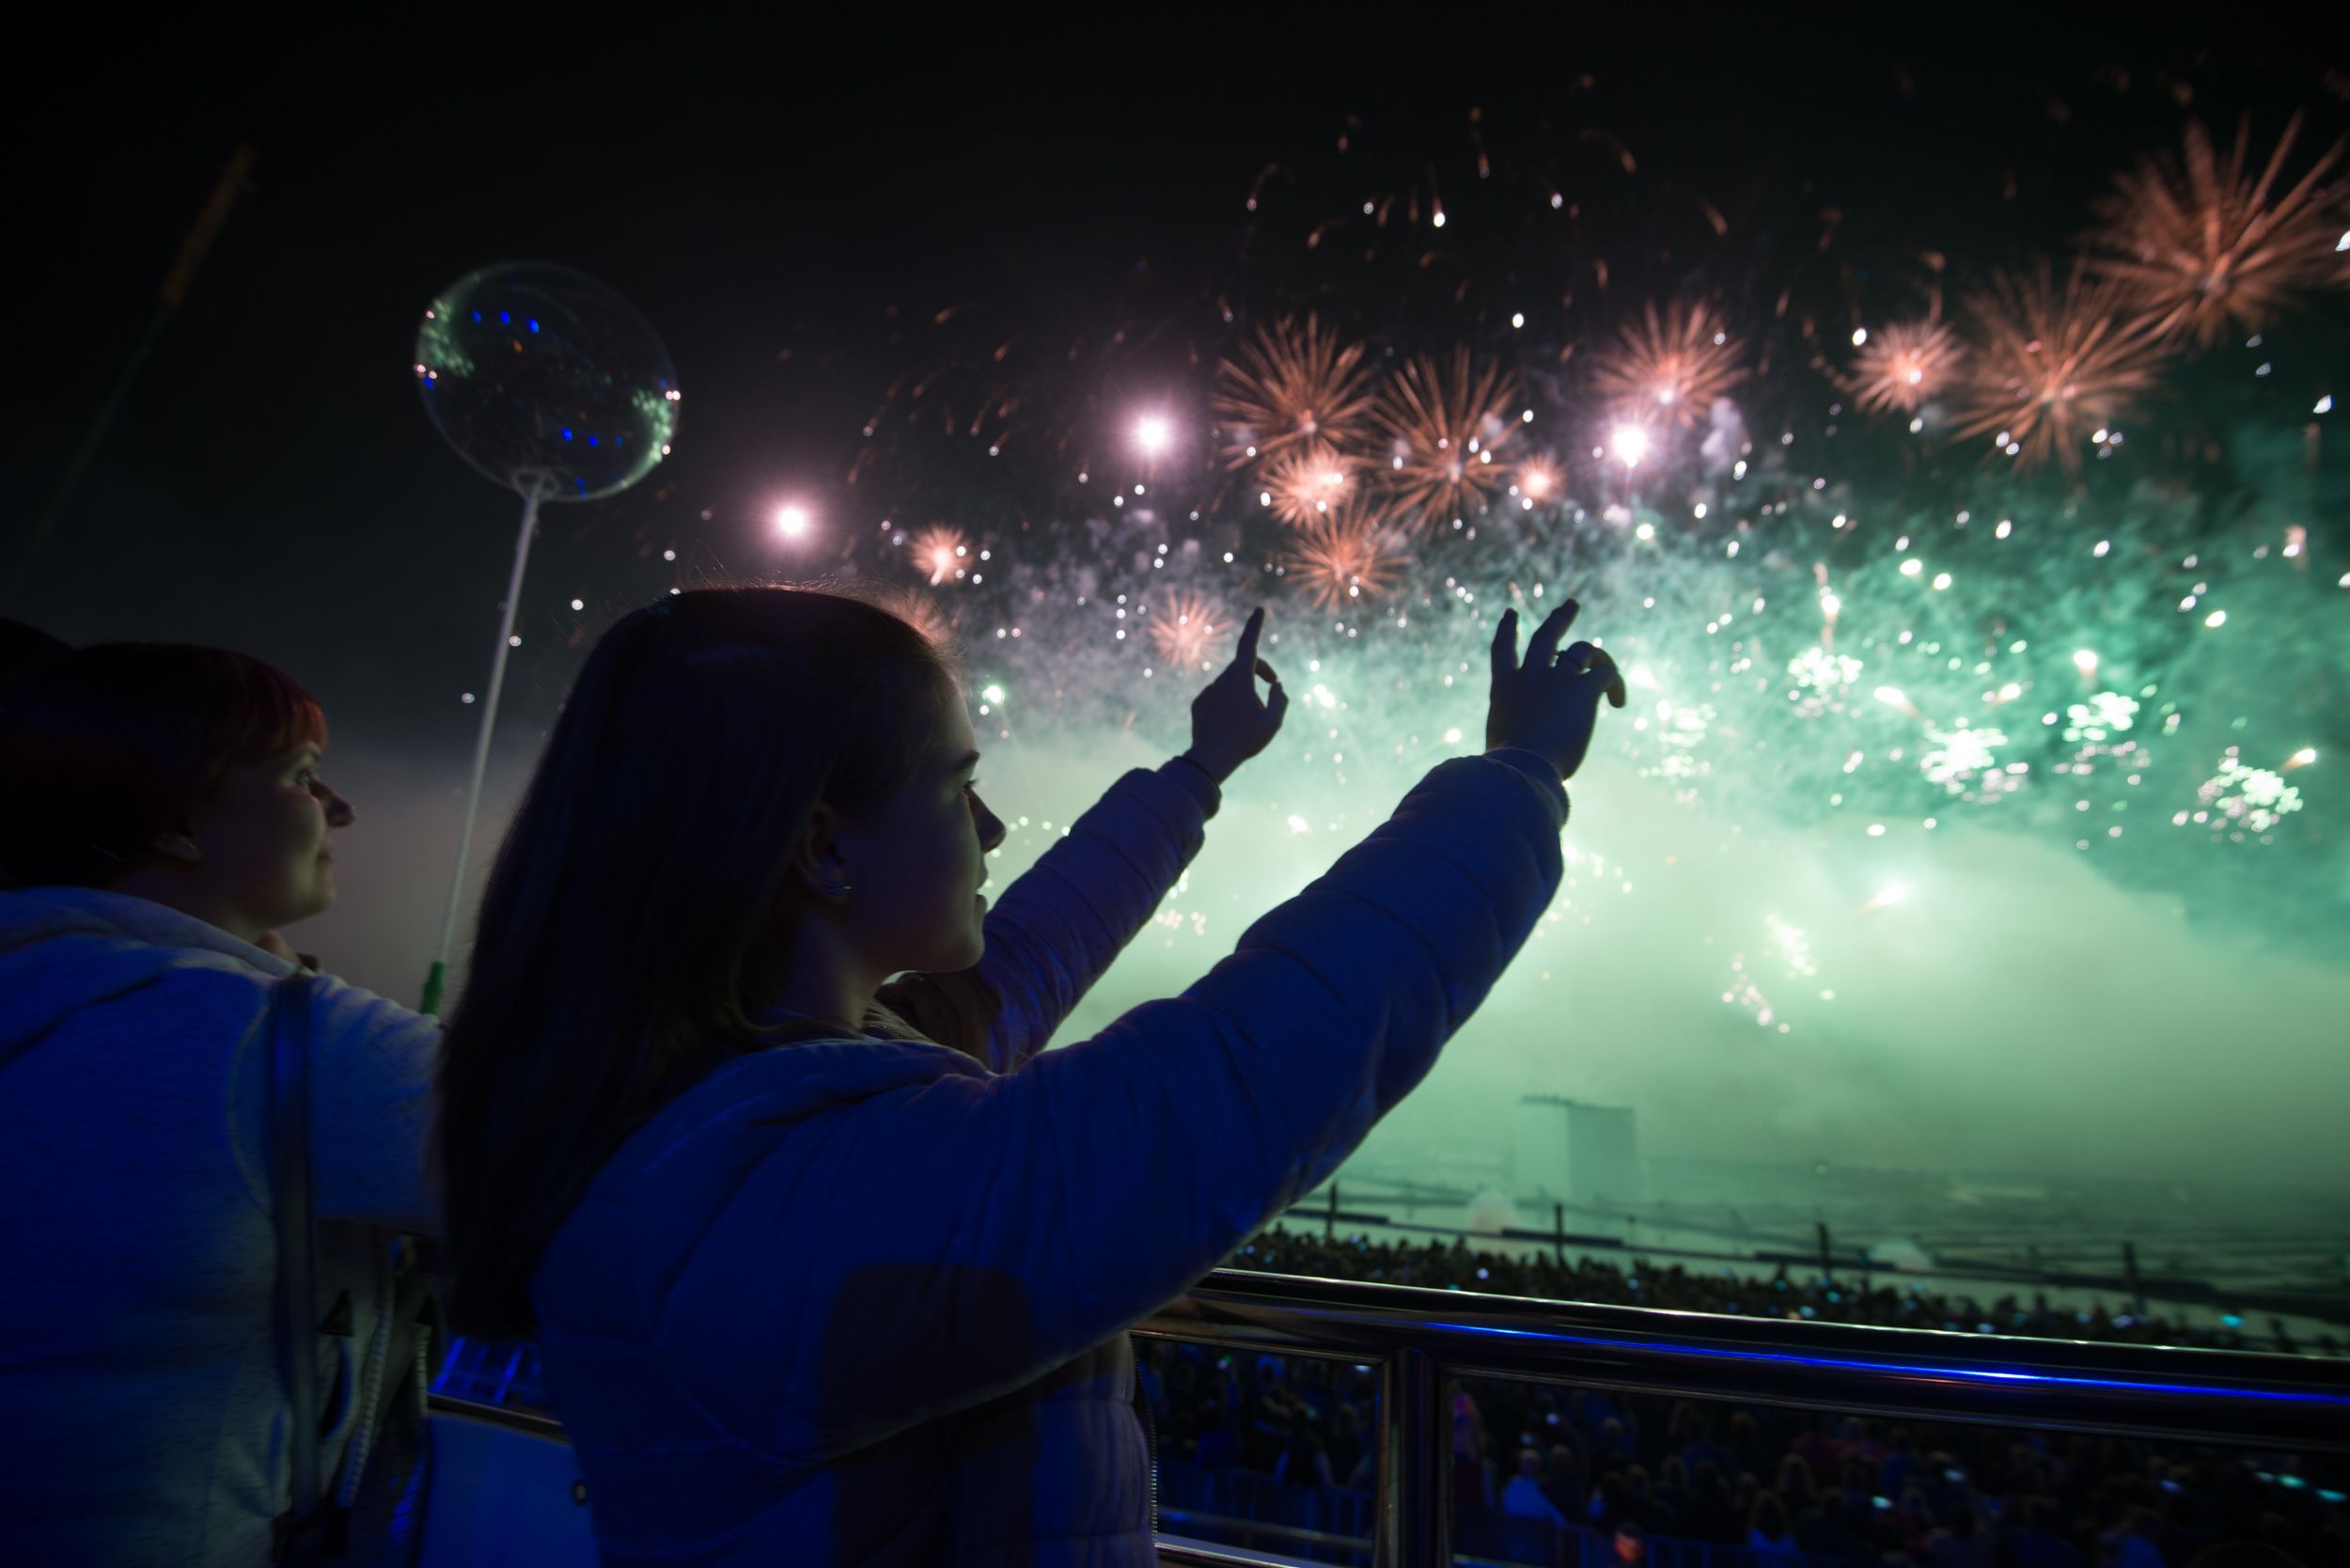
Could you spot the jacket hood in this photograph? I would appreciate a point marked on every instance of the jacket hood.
(66, 948)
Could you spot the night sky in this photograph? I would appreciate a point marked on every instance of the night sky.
(813, 230)
(271, 481)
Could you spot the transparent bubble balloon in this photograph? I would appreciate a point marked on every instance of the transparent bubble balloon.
(546, 381)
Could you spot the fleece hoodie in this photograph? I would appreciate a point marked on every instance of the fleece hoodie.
(145, 1413)
(863, 1302)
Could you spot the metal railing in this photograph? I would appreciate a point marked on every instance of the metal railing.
(1418, 1337)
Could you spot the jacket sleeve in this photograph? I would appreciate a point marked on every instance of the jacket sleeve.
(978, 1232)
(1055, 931)
(371, 1071)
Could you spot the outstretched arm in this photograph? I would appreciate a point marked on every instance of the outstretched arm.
(1061, 924)
(1030, 1216)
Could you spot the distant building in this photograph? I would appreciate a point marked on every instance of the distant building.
(1573, 1153)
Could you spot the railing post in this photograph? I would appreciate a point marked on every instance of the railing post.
(1413, 1525)
(1559, 1231)
(1330, 1220)
(2129, 1267)
(1828, 1257)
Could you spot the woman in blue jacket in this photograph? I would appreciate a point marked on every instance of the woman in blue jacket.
(164, 807)
(834, 1268)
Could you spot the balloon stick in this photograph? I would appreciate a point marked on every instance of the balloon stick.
(439, 972)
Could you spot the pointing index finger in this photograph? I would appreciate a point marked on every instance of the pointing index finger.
(1506, 645)
(1542, 647)
(1248, 656)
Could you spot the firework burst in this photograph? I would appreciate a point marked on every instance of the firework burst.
(1310, 481)
(1339, 560)
(922, 611)
(1903, 367)
(1671, 367)
(937, 550)
(2201, 245)
(1184, 626)
(2053, 365)
(1443, 429)
(1539, 481)
(1293, 387)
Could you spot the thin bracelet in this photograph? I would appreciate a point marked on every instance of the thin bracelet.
(1187, 757)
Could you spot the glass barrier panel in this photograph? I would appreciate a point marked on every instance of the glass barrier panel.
(1554, 1476)
(1263, 1454)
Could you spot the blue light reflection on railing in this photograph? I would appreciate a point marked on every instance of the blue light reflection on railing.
(1838, 1363)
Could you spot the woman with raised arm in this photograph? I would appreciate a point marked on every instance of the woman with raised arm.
(834, 1268)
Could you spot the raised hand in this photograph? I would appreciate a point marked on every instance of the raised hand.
(1229, 723)
(1548, 704)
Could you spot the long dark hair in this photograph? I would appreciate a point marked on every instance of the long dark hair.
(637, 918)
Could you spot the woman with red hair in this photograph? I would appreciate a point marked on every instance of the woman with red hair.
(163, 820)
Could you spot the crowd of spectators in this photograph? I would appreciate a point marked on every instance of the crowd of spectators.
(1777, 1487)
(1843, 1299)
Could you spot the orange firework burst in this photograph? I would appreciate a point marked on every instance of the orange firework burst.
(1293, 387)
(1309, 482)
(2201, 245)
(918, 609)
(2053, 363)
(1538, 482)
(938, 550)
(1903, 366)
(1671, 367)
(1444, 430)
(1339, 560)
(1184, 626)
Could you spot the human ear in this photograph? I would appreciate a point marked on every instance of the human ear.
(817, 861)
(176, 846)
